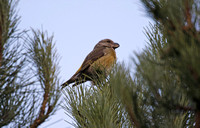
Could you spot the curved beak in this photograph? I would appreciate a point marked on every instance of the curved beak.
(115, 45)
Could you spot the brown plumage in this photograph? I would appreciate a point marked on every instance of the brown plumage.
(101, 58)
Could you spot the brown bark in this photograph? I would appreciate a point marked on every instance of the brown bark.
(184, 109)
(42, 115)
(1, 40)
(188, 17)
(197, 120)
(1, 47)
(132, 116)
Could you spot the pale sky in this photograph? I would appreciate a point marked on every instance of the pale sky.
(78, 25)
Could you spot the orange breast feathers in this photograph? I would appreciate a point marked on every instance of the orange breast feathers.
(106, 61)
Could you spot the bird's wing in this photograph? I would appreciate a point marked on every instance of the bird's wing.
(91, 58)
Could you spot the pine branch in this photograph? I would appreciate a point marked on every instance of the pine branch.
(183, 108)
(13, 82)
(1, 34)
(1, 41)
(43, 57)
(19, 95)
(95, 106)
(181, 51)
(197, 121)
(188, 16)
(42, 116)
(132, 116)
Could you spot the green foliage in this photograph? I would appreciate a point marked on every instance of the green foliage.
(43, 58)
(164, 89)
(29, 90)
(13, 79)
(95, 107)
(145, 99)
(181, 50)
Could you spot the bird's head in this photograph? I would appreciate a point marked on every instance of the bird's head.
(107, 43)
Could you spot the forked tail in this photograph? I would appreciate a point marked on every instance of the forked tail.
(67, 83)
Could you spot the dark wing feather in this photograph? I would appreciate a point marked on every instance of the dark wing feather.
(90, 58)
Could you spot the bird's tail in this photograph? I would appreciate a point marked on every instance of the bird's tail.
(76, 80)
(67, 83)
(64, 85)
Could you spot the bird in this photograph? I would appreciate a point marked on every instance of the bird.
(100, 60)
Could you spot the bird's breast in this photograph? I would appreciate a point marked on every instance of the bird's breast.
(107, 60)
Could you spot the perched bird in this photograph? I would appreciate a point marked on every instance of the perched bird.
(99, 60)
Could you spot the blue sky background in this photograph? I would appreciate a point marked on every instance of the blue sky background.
(78, 25)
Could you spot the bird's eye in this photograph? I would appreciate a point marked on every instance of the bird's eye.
(109, 41)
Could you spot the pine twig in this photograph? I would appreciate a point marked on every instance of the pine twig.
(188, 17)
(132, 116)
(197, 120)
(42, 116)
(1, 42)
